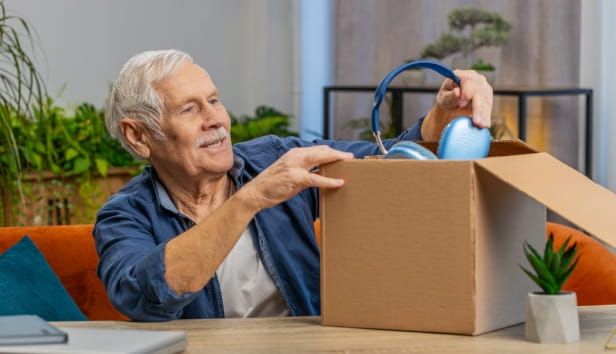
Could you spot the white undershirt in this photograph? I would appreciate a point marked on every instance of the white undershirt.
(247, 288)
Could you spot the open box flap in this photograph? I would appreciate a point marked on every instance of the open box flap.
(560, 188)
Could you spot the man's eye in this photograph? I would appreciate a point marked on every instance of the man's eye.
(213, 100)
(190, 109)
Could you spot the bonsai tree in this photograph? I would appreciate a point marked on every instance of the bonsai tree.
(554, 267)
(470, 29)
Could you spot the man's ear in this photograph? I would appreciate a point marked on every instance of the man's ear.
(136, 137)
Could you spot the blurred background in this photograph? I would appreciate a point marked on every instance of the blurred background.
(282, 53)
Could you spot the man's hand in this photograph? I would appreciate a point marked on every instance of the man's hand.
(473, 98)
(292, 173)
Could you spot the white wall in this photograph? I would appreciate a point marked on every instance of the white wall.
(316, 37)
(248, 46)
(251, 49)
(598, 55)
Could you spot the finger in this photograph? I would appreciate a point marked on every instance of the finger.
(477, 91)
(325, 182)
(448, 85)
(318, 155)
(482, 110)
(449, 99)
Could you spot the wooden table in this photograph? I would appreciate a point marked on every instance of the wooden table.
(305, 334)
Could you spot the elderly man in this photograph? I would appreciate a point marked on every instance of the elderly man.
(215, 230)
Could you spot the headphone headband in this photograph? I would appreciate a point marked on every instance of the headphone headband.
(381, 89)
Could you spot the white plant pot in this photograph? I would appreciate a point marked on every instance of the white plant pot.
(552, 318)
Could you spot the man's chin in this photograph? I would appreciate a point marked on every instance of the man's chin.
(222, 164)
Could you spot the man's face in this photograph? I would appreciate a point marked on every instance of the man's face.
(196, 126)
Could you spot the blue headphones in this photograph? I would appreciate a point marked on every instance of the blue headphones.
(460, 139)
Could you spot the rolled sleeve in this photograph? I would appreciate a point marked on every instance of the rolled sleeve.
(132, 268)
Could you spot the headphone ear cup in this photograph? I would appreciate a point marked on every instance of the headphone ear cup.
(410, 150)
(461, 140)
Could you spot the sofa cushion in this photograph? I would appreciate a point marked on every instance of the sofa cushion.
(29, 286)
(70, 251)
(594, 278)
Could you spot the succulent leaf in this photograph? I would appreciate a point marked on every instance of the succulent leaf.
(555, 262)
(569, 254)
(553, 268)
(533, 250)
(548, 252)
(542, 270)
(547, 287)
(560, 281)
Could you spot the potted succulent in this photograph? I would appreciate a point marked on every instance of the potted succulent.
(551, 315)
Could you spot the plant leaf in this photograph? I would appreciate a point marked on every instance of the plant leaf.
(81, 165)
(541, 269)
(560, 281)
(547, 288)
(568, 257)
(101, 166)
(532, 249)
(70, 154)
(548, 252)
(555, 263)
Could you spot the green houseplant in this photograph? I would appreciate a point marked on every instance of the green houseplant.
(551, 315)
(266, 120)
(68, 162)
(21, 87)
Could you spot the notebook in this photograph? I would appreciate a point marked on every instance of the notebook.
(28, 329)
(111, 341)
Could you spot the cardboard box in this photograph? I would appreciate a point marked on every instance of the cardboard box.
(436, 245)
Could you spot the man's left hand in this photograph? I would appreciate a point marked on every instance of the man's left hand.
(472, 98)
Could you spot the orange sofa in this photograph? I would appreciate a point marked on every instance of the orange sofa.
(70, 252)
(594, 278)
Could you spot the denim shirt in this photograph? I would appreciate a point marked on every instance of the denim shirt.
(134, 226)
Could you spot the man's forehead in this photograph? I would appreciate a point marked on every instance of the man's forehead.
(188, 80)
(187, 71)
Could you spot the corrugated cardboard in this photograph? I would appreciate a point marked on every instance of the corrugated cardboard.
(436, 245)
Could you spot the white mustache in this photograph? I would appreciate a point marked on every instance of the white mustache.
(219, 134)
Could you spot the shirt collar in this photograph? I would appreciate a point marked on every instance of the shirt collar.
(163, 197)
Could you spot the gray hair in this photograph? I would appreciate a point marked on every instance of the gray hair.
(133, 95)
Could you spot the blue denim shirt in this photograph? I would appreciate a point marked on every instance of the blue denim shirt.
(133, 227)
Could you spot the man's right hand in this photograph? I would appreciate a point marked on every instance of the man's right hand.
(292, 173)
(191, 259)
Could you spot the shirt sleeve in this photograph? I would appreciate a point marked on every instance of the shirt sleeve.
(132, 267)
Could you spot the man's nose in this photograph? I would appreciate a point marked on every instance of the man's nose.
(209, 114)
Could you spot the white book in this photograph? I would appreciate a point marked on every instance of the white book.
(28, 329)
(109, 341)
